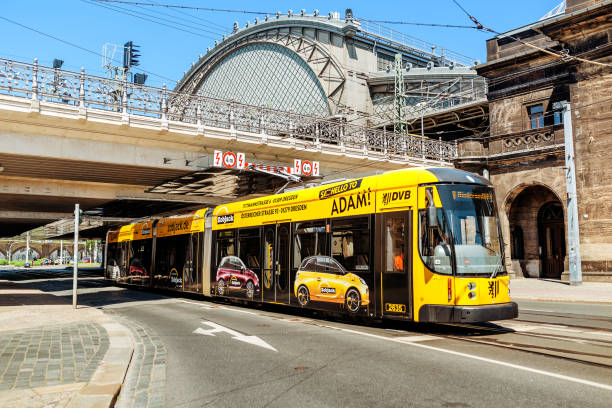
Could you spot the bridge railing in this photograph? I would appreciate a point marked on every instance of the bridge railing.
(86, 91)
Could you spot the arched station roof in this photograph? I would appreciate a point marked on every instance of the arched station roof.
(307, 63)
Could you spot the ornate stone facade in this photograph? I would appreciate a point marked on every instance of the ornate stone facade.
(523, 150)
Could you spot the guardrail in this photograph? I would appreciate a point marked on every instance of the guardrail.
(87, 91)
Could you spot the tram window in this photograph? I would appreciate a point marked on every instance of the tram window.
(395, 237)
(170, 258)
(309, 239)
(434, 244)
(249, 243)
(225, 244)
(140, 261)
(351, 243)
(329, 266)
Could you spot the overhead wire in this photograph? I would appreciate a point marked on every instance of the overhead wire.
(563, 55)
(196, 19)
(77, 46)
(124, 10)
(417, 24)
(177, 6)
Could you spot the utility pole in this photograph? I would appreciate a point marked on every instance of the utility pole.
(573, 232)
(75, 258)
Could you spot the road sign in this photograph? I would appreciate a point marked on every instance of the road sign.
(307, 167)
(229, 159)
(241, 163)
(218, 158)
(297, 166)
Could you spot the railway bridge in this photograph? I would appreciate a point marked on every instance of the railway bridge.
(124, 150)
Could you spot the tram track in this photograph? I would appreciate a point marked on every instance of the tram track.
(562, 353)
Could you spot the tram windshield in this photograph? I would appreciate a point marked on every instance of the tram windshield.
(462, 237)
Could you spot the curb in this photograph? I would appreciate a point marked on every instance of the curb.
(105, 384)
(545, 299)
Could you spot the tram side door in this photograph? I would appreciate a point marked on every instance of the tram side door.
(396, 296)
(275, 276)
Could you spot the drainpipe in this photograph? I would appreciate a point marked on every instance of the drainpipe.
(573, 232)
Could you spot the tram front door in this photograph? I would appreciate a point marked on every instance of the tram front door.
(275, 277)
(396, 268)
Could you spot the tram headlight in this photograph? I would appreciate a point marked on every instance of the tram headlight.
(362, 282)
(472, 295)
(471, 286)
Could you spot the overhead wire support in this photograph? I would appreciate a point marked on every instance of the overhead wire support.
(400, 99)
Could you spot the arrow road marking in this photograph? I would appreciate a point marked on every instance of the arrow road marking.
(217, 328)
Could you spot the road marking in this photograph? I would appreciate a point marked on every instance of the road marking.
(410, 339)
(211, 307)
(217, 328)
(484, 359)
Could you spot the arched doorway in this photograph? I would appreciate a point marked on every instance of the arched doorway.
(537, 232)
(551, 226)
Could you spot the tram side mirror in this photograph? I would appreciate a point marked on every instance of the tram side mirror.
(432, 217)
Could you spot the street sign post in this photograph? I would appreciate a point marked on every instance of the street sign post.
(75, 255)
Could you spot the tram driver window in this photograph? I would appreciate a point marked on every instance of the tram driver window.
(435, 241)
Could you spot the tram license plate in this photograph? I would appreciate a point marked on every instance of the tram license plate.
(395, 308)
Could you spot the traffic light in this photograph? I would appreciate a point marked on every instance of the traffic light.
(130, 55)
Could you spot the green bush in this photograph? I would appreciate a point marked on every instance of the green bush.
(3, 261)
(17, 263)
(37, 262)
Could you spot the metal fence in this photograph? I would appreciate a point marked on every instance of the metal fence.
(54, 85)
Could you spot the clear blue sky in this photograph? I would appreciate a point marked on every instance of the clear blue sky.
(168, 52)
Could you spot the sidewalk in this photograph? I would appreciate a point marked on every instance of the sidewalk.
(53, 355)
(560, 291)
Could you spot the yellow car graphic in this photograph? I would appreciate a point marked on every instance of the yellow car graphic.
(323, 279)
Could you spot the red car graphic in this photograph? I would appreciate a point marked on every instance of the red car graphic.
(232, 274)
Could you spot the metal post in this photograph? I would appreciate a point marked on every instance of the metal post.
(35, 80)
(573, 232)
(27, 248)
(95, 260)
(75, 256)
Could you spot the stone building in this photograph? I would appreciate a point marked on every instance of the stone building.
(523, 149)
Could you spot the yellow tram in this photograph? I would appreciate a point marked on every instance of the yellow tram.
(417, 244)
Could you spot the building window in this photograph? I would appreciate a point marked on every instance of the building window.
(558, 112)
(384, 61)
(536, 116)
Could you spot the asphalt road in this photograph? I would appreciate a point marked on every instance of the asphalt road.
(225, 355)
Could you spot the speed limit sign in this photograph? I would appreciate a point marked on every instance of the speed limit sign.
(229, 159)
(307, 168)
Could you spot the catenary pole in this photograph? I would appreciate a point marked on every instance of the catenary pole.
(75, 257)
(573, 232)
